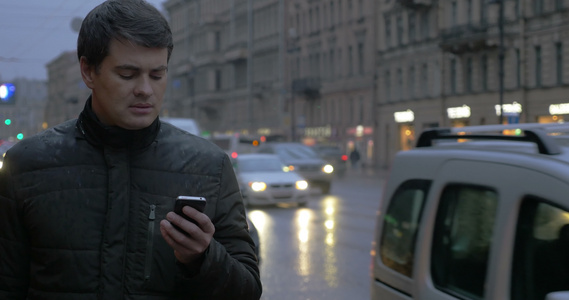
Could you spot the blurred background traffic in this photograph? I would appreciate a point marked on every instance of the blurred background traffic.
(353, 74)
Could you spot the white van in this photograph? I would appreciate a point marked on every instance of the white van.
(477, 212)
(187, 124)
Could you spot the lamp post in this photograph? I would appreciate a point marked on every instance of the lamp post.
(501, 57)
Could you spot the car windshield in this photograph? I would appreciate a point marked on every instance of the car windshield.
(260, 165)
(295, 152)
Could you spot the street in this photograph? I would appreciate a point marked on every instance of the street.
(321, 251)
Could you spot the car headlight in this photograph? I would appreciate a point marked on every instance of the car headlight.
(258, 186)
(1, 163)
(328, 169)
(301, 185)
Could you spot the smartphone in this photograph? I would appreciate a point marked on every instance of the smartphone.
(196, 202)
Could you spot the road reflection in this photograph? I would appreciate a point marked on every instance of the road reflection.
(312, 236)
(330, 263)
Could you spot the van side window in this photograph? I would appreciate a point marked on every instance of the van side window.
(541, 251)
(400, 226)
(461, 240)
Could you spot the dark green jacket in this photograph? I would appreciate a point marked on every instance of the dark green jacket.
(80, 207)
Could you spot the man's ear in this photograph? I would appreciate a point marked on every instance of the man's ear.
(86, 72)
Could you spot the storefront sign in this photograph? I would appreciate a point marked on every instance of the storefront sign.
(510, 109)
(360, 131)
(459, 112)
(559, 109)
(324, 131)
(404, 116)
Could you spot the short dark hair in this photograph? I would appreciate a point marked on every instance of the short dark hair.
(135, 21)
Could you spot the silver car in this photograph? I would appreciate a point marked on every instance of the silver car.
(265, 180)
(303, 160)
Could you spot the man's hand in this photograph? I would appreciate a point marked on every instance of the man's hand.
(189, 245)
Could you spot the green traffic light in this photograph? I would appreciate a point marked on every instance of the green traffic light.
(20, 136)
(7, 121)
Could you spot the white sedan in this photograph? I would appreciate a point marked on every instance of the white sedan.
(265, 180)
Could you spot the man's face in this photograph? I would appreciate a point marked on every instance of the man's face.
(128, 89)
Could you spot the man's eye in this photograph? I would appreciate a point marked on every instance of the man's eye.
(126, 76)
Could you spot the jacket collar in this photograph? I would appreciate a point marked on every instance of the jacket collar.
(100, 135)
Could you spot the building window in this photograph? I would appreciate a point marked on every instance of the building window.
(484, 72)
(483, 13)
(453, 76)
(538, 66)
(453, 14)
(218, 80)
(518, 68)
(537, 7)
(361, 9)
(387, 85)
(425, 79)
(559, 4)
(399, 84)
(350, 61)
(332, 13)
(412, 82)
(399, 30)
(425, 25)
(559, 63)
(469, 74)
(412, 20)
(332, 64)
(217, 41)
(361, 58)
(351, 117)
(469, 11)
(387, 32)
(361, 119)
(350, 10)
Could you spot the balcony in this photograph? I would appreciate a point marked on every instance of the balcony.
(466, 38)
(415, 4)
(308, 86)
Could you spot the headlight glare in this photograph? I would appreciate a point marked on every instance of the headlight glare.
(328, 169)
(301, 185)
(258, 186)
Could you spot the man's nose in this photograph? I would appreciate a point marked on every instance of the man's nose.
(143, 87)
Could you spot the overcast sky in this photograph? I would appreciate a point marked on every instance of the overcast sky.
(34, 32)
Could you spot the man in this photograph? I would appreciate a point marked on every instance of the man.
(86, 207)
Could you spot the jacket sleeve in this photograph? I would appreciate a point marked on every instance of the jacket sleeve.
(14, 245)
(230, 269)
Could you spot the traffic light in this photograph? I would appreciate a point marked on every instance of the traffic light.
(8, 122)
(20, 136)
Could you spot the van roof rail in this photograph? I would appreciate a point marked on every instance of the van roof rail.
(532, 132)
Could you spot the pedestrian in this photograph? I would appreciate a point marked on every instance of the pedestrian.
(86, 206)
(355, 158)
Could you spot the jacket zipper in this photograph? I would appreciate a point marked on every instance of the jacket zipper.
(149, 242)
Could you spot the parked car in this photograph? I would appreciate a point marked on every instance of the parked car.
(476, 212)
(304, 160)
(187, 124)
(234, 144)
(265, 180)
(333, 155)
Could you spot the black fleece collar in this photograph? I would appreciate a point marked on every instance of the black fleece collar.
(98, 134)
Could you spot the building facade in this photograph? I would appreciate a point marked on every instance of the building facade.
(67, 92)
(301, 70)
(439, 65)
(227, 67)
